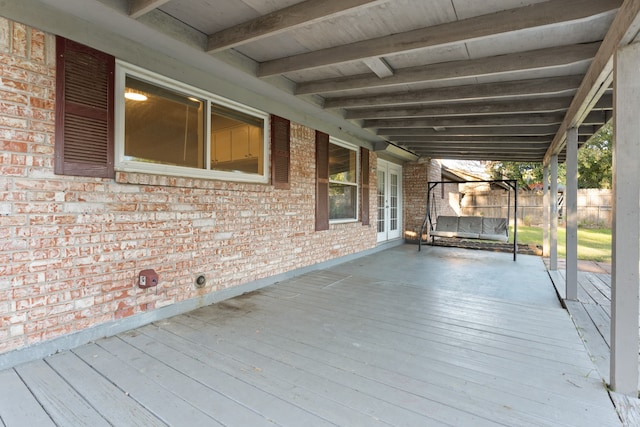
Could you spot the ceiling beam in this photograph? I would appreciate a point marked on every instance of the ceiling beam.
(540, 14)
(493, 156)
(531, 87)
(514, 131)
(599, 76)
(495, 121)
(452, 110)
(303, 13)
(532, 60)
(402, 139)
(137, 8)
(380, 67)
(445, 150)
(486, 147)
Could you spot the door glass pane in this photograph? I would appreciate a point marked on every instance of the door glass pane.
(393, 202)
(381, 210)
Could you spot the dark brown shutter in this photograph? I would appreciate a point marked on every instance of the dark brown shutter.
(280, 147)
(364, 184)
(84, 111)
(322, 181)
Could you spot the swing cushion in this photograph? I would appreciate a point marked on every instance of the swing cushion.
(495, 229)
(446, 226)
(469, 227)
(472, 227)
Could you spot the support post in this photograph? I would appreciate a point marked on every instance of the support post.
(553, 213)
(545, 211)
(571, 196)
(626, 222)
(515, 220)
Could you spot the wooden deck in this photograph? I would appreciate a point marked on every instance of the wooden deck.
(441, 337)
(591, 314)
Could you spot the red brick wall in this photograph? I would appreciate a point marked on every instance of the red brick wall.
(416, 176)
(71, 248)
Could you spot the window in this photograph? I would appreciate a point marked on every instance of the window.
(166, 127)
(343, 181)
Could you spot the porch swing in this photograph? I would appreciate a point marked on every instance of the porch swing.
(470, 227)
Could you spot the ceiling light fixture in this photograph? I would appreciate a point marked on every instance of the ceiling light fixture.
(135, 96)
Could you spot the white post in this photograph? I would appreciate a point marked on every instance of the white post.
(571, 196)
(553, 212)
(626, 221)
(545, 210)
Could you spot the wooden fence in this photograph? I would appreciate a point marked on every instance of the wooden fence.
(594, 206)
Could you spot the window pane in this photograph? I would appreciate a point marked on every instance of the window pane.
(342, 164)
(163, 126)
(236, 141)
(342, 201)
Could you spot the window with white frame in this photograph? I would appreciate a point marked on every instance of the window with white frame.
(163, 126)
(343, 181)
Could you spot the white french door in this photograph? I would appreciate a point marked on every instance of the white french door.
(389, 201)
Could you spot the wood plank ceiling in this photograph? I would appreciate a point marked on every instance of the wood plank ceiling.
(460, 79)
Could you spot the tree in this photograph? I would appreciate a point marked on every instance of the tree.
(525, 173)
(595, 159)
(594, 164)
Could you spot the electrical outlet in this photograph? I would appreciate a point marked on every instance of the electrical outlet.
(147, 279)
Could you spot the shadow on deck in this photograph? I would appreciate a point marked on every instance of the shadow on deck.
(440, 337)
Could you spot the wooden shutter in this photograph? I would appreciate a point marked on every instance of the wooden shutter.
(280, 148)
(84, 111)
(322, 181)
(364, 184)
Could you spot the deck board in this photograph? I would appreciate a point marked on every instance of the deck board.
(591, 314)
(393, 339)
(17, 405)
(64, 405)
(113, 404)
(137, 383)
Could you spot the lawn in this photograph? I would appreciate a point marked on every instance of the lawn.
(593, 244)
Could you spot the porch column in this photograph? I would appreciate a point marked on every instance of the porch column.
(553, 212)
(626, 221)
(545, 210)
(571, 196)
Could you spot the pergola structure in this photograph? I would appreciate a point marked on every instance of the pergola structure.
(482, 80)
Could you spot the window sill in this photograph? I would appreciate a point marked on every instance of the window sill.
(343, 221)
(146, 178)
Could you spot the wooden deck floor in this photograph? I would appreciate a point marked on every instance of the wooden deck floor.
(591, 314)
(441, 337)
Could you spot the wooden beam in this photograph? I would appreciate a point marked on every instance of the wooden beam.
(514, 131)
(471, 155)
(137, 8)
(281, 20)
(488, 146)
(532, 60)
(493, 121)
(473, 139)
(541, 14)
(495, 91)
(379, 66)
(452, 110)
(599, 76)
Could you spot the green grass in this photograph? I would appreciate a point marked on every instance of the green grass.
(593, 244)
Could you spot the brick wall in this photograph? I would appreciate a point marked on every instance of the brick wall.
(416, 175)
(71, 248)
